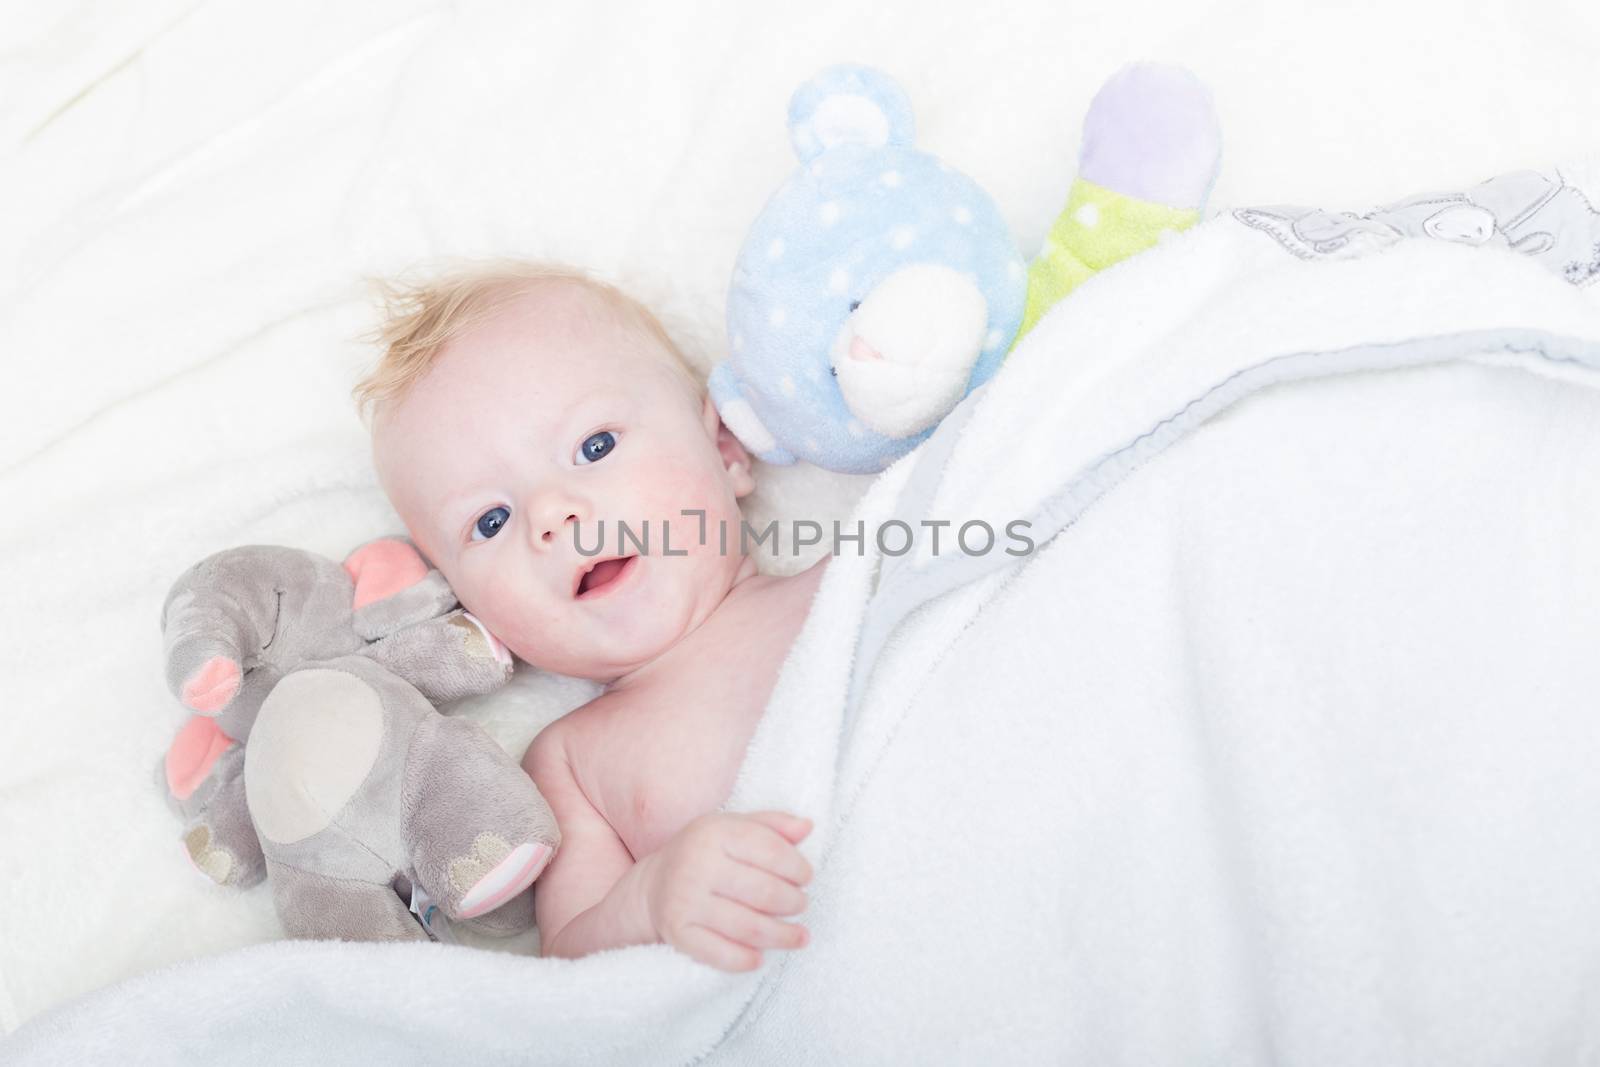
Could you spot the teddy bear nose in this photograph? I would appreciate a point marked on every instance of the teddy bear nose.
(859, 349)
(904, 357)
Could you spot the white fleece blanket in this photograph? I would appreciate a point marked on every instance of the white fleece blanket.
(1279, 749)
(191, 192)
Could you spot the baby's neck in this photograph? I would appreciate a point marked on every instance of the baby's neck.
(747, 570)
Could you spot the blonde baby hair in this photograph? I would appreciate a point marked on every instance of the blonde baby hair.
(420, 318)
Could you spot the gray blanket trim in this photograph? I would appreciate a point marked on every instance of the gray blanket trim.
(901, 588)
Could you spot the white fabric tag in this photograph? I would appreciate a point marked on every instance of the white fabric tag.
(431, 916)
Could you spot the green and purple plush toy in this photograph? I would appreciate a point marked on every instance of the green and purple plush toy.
(879, 286)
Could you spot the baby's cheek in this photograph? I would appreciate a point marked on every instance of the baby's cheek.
(485, 598)
(519, 624)
(496, 609)
(704, 490)
(698, 534)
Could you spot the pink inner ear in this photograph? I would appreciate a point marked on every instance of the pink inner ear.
(192, 753)
(383, 568)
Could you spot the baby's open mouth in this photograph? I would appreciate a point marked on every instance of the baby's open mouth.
(602, 576)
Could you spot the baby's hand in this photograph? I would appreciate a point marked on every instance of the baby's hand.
(713, 889)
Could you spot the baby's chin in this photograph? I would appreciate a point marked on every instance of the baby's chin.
(604, 665)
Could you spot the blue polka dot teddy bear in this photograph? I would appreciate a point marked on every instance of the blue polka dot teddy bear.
(879, 286)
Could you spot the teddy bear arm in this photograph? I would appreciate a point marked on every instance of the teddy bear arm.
(1098, 228)
(1151, 149)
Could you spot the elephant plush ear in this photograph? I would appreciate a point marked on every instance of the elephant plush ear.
(394, 588)
(849, 105)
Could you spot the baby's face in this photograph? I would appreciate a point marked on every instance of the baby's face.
(550, 415)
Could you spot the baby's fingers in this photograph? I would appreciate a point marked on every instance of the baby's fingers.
(759, 889)
(794, 828)
(714, 950)
(759, 845)
(746, 926)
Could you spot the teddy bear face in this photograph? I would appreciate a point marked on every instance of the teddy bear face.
(877, 287)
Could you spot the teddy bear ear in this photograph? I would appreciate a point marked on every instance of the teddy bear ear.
(849, 104)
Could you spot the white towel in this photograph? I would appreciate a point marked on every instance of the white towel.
(1279, 751)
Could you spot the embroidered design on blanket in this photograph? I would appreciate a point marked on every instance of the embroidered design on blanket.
(1537, 214)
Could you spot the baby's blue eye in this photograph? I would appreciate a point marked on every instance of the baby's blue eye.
(595, 446)
(489, 523)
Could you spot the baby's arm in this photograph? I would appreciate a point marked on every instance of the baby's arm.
(589, 897)
(712, 891)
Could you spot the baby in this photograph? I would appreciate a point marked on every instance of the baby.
(518, 413)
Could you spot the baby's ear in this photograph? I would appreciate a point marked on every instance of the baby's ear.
(735, 458)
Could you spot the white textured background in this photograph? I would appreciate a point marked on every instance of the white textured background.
(191, 193)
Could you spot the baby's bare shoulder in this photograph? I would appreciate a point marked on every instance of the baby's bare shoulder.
(589, 732)
(557, 739)
(573, 725)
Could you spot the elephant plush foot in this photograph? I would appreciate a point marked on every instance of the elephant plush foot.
(203, 773)
(230, 860)
(221, 841)
(507, 920)
(479, 831)
(509, 876)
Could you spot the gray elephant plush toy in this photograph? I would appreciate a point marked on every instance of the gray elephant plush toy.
(316, 758)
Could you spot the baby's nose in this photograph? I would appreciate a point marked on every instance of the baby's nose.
(548, 535)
